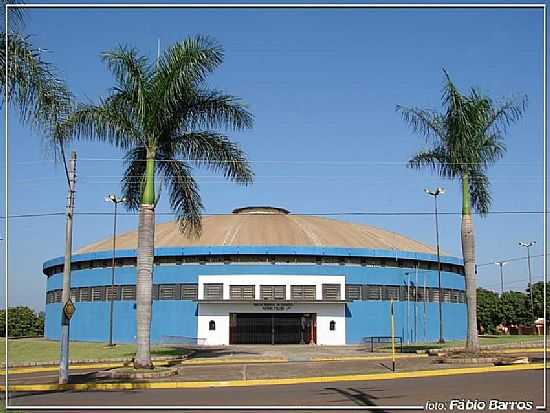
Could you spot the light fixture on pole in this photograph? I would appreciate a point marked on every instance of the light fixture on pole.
(501, 264)
(435, 193)
(528, 245)
(113, 198)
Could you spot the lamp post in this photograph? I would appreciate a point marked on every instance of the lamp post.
(501, 264)
(435, 193)
(113, 198)
(408, 274)
(528, 245)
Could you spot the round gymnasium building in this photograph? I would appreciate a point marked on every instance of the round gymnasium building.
(264, 276)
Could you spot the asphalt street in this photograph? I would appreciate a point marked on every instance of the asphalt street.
(519, 385)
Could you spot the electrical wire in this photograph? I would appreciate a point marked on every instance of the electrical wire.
(314, 214)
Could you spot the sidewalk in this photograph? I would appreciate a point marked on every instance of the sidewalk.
(239, 375)
(251, 369)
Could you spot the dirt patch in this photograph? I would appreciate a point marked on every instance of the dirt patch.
(463, 357)
(131, 373)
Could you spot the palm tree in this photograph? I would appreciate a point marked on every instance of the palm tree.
(34, 88)
(465, 139)
(163, 115)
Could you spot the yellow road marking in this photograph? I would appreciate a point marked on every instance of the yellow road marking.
(267, 382)
(519, 350)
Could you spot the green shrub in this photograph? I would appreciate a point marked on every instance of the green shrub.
(22, 322)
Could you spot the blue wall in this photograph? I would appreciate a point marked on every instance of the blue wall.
(372, 318)
(178, 318)
(90, 322)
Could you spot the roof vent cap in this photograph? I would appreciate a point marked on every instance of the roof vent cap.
(261, 210)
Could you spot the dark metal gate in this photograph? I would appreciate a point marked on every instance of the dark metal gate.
(271, 328)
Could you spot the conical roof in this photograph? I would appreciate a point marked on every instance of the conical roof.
(262, 226)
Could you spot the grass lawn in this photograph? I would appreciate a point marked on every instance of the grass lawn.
(39, 349)
(483, 340)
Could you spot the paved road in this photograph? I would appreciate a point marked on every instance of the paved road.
(520, 385)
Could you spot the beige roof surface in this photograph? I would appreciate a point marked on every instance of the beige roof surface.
(257, 226)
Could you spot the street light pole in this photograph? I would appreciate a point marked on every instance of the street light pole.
(435, 194)
(408, 301)
(501, 264)
(528, 245)
(113, 198)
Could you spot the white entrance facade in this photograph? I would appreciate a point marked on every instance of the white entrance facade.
(214, 315)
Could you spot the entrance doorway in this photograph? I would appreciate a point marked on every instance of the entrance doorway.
(262, 328)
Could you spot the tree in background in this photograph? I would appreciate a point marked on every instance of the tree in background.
(538, 298)
(22, 322)
(514, 309)
(163, 114)
(488, 315)
(465, 139)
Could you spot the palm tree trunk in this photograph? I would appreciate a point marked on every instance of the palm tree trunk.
(468, 254)
(145, 258)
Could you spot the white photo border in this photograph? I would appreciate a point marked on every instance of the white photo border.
(275, 6)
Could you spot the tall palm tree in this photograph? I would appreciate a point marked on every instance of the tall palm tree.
(34, 88)
(465, 139)
(163, 115)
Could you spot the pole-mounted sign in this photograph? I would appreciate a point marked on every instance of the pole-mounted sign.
(69, 309)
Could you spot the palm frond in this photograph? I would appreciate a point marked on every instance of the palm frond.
(184, 65)
(215, 152)
(506, 113)
(133, 178)
(480, 193)
(33, 86)
(132, 73)
(15, 17)
(436, 159)
(106, 122)
(214, 109)
(185, 199)
(424, 122)
(491, 149)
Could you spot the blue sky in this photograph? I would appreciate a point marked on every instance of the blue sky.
(322, 85)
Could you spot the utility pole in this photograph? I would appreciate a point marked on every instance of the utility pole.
(435, 194)
(528, 245)
(68, 306)
(113, 198)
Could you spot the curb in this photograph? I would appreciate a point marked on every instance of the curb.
(180, 361)
(515, 346)
(264, 382)
(93, 361)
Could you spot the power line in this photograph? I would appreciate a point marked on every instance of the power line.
(307, 161)
(511, 260)
(314, 214)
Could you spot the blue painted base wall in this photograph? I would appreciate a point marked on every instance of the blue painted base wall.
(90, 322)
(178, 318)
(372, 318)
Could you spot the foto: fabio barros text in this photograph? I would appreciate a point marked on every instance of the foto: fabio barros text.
(478, 405)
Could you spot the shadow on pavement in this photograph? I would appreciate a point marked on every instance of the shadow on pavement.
(357, 396)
